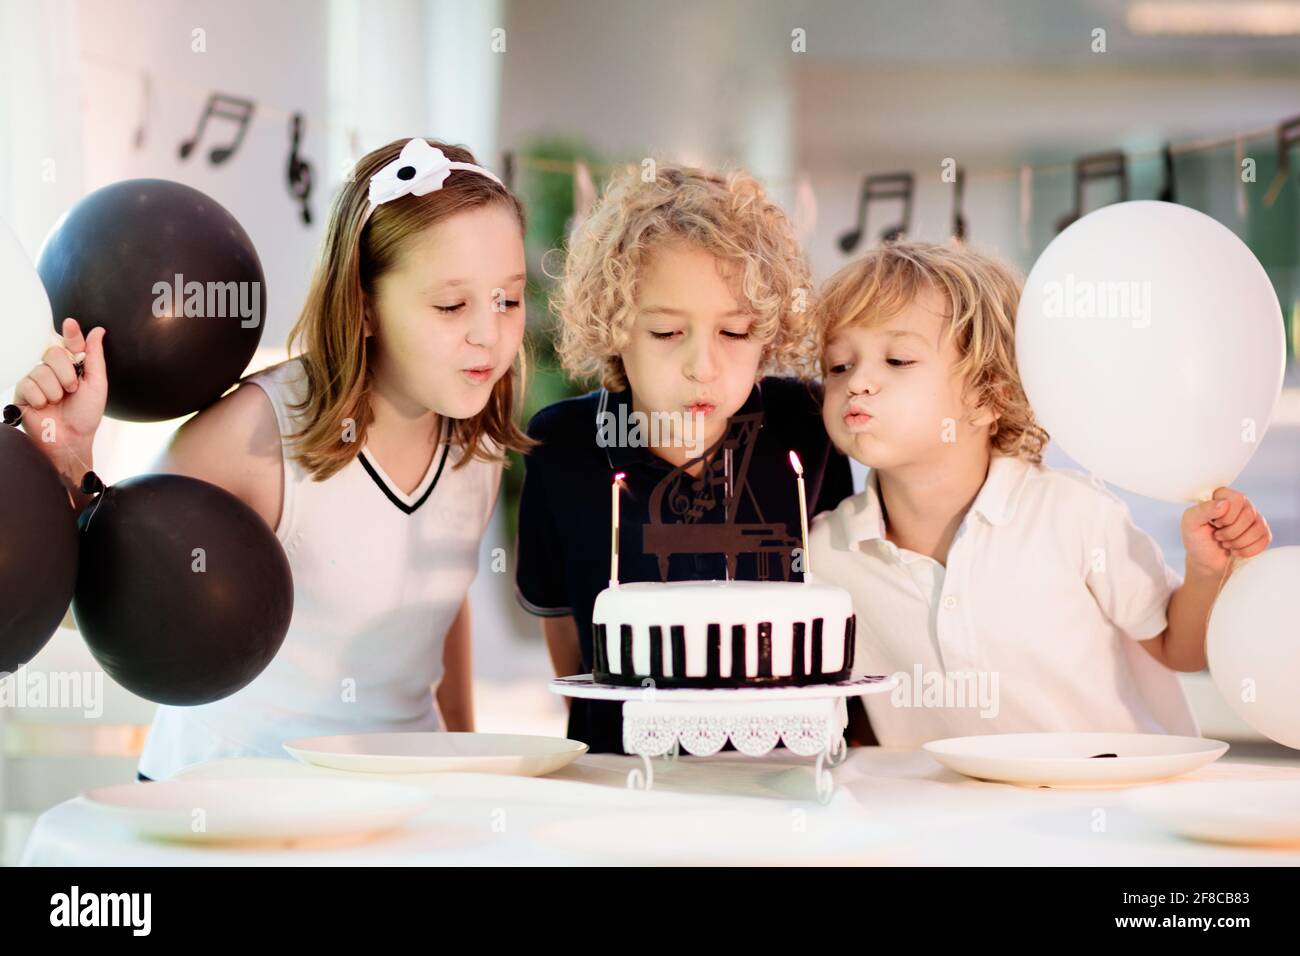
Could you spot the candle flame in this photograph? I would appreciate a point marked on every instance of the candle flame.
(620, 476)
(794, 461)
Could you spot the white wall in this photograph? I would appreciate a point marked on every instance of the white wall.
(281, 64)
(40, 131)
(672, 79)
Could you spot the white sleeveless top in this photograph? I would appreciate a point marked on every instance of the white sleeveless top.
(378, 578)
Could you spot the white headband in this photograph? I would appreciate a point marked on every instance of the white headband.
(417, 171)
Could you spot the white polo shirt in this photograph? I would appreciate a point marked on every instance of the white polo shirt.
(1033, 626)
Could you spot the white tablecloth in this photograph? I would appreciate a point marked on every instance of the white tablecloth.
(890, 806)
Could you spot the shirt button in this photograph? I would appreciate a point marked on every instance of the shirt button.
(950, 601)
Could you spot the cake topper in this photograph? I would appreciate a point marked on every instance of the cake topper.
(681, 504)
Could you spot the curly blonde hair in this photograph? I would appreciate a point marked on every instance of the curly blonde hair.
(982, 294)
(727, 214)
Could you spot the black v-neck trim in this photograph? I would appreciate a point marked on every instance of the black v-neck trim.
(388, 492)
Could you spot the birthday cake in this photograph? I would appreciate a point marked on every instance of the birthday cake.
(722, 634)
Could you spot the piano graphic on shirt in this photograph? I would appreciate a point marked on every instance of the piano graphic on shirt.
(681, 500)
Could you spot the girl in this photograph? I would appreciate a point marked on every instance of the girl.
(680, 293)
(375, 454)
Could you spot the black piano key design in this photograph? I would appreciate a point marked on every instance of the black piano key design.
(656, 651)
(737, 652)
(802, 670)
(625, 640)
(765, 649)
(600, 665)
(678, 634)
(797, 650)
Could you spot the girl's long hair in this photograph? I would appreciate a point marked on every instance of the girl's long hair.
(330, 332)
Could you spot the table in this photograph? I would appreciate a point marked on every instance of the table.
(890, 806)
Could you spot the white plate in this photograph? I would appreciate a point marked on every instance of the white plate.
(1066, 760)
(258, 810)
(1254, 812)
(438, 752)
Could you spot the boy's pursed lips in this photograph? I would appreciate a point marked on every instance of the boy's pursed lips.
(857, 415)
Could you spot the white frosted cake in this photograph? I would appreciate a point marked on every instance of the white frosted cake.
(722, 633)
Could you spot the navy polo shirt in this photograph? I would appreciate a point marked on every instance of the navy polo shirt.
(564, 511)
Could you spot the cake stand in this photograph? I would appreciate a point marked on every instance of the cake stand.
(661, 721)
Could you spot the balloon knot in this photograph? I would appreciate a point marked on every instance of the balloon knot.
(13, 415)
(91, 484)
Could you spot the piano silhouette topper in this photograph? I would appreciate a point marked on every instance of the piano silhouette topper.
(681, 502)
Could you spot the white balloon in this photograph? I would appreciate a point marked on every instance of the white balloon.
(25, 320)
(1151, 347)
(1253, 643)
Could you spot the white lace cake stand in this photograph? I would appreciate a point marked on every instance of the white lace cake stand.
(660, 721)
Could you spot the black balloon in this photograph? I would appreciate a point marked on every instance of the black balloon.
(183, 593)
(114, 259)
(38, 549)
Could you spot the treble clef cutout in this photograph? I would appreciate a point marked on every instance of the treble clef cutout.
(299, 171)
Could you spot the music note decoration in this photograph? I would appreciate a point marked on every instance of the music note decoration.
(1096, 168)
(958, 218)
(223, 107)
(146, 98)
(299, 171)
(880, 188)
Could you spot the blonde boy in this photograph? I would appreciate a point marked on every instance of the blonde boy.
(682, 293)
(1007, 596)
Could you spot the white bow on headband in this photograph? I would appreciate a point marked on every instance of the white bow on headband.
(417, 171)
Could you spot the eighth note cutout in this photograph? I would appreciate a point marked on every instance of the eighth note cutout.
(223, 107)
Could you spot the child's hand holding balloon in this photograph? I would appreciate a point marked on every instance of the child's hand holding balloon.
(1225, 527)
(61, 409)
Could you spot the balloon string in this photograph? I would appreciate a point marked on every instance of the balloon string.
(1232, 563)
(86, 485)
(1223, 578)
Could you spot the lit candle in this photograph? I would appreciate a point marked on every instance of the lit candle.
(803, 514)
(613, 535)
